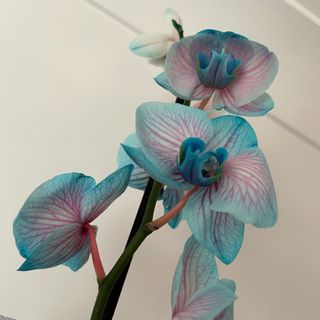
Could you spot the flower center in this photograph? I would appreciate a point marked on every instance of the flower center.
(217, 70)
(198, 165)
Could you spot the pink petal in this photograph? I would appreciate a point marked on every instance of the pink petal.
(180, 66)
(257, 107)
(258, 68)
(246, 190)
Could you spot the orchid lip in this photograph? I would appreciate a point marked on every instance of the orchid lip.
(198, 165)
(217, 70)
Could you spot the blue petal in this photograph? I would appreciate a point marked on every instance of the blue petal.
(232, 133)
(246, 190)
(222, 35)
(59, 247)
(255, 108)
(103, 194)
(227, 313)
(162, 80)
(171, 197)
(139, 177)
(140, 159)
(219, 232)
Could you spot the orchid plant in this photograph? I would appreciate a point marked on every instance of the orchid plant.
(209, 172)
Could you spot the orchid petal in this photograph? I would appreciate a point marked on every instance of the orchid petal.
(180, 65)
(196, 292)
(139, 177)
(218, 232)
(162, 80)
(171, 197)
(81, 257)
(168, 16)
(99, 198)
(232, 133)
(151, 45)
(227, 313)
(196, 269)
(137, 155)
(161, 128)
(253, 77)
(207, 303)
(54, 204)
(59, 247)
(246, 190)
(258, 107)
(223, 35)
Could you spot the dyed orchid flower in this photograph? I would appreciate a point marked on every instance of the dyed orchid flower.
(54, 225)
(181, 148)
(197, 292)
(225, 65)
(155, 46)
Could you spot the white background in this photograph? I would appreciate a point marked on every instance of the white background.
(69, 88)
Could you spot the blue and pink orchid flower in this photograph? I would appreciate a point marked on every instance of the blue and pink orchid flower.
(155, 45)
(54, 225)
(181, 148)
(232, 70)
(197, 292)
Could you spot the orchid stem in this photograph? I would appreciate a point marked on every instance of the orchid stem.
(116, 276)
(98, 267)
(160, 222)
(145, 230)
(117, 288)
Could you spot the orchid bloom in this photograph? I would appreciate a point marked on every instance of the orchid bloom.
(155, 46)
(181, 148)
(225, 65)
(197, 292)
(54, 225)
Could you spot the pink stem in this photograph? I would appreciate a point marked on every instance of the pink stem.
(98, 267)
(158, 223)
(203, 103)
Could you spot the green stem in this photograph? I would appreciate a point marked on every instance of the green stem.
(106, 285)
(178, 27)
(148, 214)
